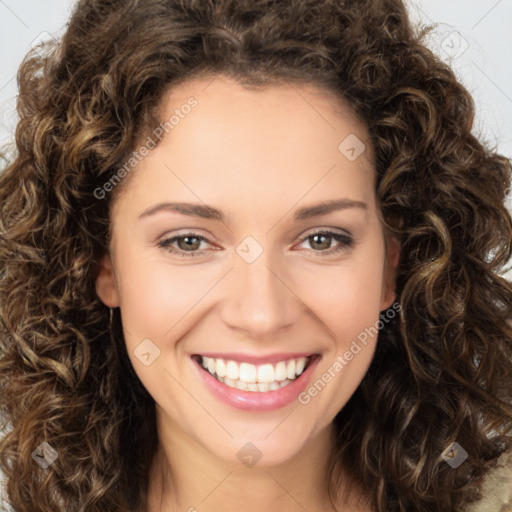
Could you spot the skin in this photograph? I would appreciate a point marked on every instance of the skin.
(257, 155)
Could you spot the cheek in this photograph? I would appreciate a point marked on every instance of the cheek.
(347, 296)
(350, 308)
(156, 296)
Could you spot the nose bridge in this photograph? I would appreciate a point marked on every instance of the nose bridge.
(258, 300)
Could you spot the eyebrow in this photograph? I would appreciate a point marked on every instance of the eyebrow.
(209, 212)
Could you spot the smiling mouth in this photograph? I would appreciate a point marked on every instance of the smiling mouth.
(257, 378)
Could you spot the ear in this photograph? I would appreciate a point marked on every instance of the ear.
(390, 271)
(106, 283)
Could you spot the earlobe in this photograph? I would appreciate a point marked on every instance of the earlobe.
(393, 259)
(106, 284)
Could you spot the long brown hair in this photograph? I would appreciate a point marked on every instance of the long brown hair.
(442, 371)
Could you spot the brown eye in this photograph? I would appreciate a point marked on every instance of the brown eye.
(321, 242)
(187, 243)
(190, 243)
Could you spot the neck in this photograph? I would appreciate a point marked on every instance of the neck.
(187, 477)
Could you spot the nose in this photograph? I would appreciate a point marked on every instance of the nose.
(259, 298)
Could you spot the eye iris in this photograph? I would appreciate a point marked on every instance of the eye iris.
(187, 246)
(325, 245)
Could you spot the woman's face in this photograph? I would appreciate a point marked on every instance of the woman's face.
(278, 277)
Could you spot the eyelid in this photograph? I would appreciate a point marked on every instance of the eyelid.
(314, 231)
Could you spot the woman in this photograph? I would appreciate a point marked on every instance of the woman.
(251, 260)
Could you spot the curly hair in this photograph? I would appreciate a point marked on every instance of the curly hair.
(442, 370)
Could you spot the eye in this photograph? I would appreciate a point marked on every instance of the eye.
(321, 242)
(188, 244)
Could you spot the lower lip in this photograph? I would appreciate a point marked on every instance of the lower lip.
(256, 400)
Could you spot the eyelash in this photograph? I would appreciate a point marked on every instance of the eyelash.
(346, 242)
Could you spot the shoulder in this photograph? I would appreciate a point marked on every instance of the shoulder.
(497, 488)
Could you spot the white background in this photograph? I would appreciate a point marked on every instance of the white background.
(474, 36)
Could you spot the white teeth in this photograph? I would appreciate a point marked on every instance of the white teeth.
(220, 368)
(247, 372)
(249, 377)
(232, 370)
(266, 373)
(229, 382)
(299, 367)
(290, 369)
(280, 371)
(240, 384)
(263, 386)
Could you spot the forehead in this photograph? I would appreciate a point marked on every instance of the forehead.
(297, 108)
(274, 141)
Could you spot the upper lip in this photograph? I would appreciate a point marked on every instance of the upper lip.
(257, 359)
